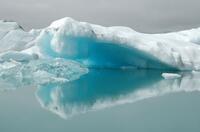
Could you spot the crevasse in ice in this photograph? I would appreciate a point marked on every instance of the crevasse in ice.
(102, 47)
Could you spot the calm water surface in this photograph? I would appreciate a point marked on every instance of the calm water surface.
(104, 101)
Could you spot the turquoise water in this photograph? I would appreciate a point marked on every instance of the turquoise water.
(104, 100)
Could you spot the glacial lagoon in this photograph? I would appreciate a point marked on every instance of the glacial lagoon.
(108, 100)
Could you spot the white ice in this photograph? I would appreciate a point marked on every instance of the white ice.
(98, 46)
(171, 75)
(13, 37)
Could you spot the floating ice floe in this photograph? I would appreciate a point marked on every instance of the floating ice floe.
(105, 47)
(37, 72)
(171, 75)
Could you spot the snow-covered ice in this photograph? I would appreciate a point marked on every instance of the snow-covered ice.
(13, 37)
(98, 46)
(17, 56)
(103, 47)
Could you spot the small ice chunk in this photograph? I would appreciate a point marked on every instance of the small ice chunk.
(170, 75)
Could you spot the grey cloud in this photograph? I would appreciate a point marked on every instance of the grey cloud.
(141, 15)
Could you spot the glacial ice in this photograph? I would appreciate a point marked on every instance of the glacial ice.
(17, 56)
(13, 37)
(19, 74)
(104, 47)
(56, 57)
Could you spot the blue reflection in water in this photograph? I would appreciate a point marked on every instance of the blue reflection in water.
(104, 88)
(91, 90)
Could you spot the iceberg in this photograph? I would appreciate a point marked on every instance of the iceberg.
(62, 60)
(103, 47)
(118, 47)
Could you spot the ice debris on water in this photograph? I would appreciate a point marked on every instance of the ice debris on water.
(41, 71)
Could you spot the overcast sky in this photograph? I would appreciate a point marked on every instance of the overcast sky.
(141, 15)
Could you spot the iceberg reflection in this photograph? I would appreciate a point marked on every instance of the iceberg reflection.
(105, 88)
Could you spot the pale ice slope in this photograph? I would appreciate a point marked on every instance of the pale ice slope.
(17, 56)
(102, 47)
(13, 37)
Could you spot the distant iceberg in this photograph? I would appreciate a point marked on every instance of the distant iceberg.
(103, 47)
